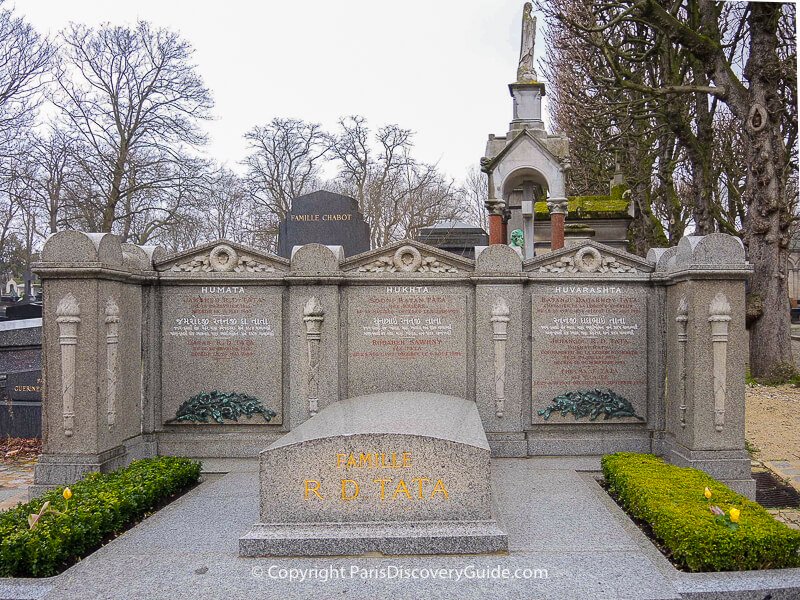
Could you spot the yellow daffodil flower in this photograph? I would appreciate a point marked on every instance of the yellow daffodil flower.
(707, 493)
(735, 512)
(67, 493)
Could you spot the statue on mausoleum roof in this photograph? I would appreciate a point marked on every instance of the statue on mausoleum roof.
(525, 70)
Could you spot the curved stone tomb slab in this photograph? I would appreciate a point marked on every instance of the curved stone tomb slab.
(397, 473)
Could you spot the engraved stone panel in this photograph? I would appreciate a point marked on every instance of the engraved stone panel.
(589, 353)
(221, 352)
(406, 338)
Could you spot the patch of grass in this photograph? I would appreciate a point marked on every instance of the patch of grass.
(779, 374)
(751, 448)
(671, 501)
(100, 507)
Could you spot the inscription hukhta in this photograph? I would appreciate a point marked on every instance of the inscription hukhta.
(412, 337)
(590, 352)
(216, 334)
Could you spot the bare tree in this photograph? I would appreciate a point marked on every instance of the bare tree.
(607, 125)
(397, 194)
(284, 162)
(227, 206)
(740, 54)
(52, 177)
(24, 58)
(134, 101)
(474, 194)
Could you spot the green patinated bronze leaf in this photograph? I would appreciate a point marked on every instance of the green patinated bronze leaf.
(220, 407)
(592, 404)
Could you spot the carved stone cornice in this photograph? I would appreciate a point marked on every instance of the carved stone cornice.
(588, 260)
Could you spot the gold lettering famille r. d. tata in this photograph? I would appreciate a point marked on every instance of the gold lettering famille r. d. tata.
(384, 488)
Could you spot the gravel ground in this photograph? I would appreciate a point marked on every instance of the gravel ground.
(772, 427)
(772, 422)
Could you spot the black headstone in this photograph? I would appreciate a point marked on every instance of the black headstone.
(24, 385)
(324, 218)
(456, 237)
(24, 310)
(21, 404)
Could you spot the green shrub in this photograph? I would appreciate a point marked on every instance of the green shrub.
(670, 500)
(102, 505)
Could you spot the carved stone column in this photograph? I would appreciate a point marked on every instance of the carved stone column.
(558, 214)
(500, 319)
(313, 315)
(68, 317)
(719, 317)
(682, 320)
(495, 208)
(112, 342)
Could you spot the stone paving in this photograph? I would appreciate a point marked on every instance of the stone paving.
(789, 471)
(567, 539)
(15, 478)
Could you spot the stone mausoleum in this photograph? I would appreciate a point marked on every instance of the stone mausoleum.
(527, 170)
(220, 350)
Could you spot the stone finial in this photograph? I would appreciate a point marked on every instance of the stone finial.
(313, 308)
(719, 314)
(500, 309)
(68, 318)
(720, 308)
(499, 319)
(313, 316)
(683, 309)
(112, 311)
(68, 307)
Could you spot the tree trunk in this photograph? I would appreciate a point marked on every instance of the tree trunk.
(769, 215)
(645, 231)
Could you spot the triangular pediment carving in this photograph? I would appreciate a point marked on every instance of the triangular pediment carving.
(523, 137)
(408, 257)
(221, 256)
(589, 257)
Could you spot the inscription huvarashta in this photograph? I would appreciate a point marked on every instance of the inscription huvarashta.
(410, 338)
(213, 334)
(587, 337)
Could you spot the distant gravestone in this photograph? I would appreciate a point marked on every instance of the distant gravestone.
(25, 386)
(324, 218)
(21, 404)
(28, 279)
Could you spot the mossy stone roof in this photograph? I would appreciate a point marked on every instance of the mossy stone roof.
(612, 206)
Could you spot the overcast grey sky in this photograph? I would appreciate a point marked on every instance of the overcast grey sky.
(438, 67)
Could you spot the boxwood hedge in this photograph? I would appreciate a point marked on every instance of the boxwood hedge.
(102, 505)
(671, 501)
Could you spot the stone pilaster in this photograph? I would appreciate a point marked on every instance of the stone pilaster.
(92, 356)
(706, 354)
(312, 331)
(499, 348)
